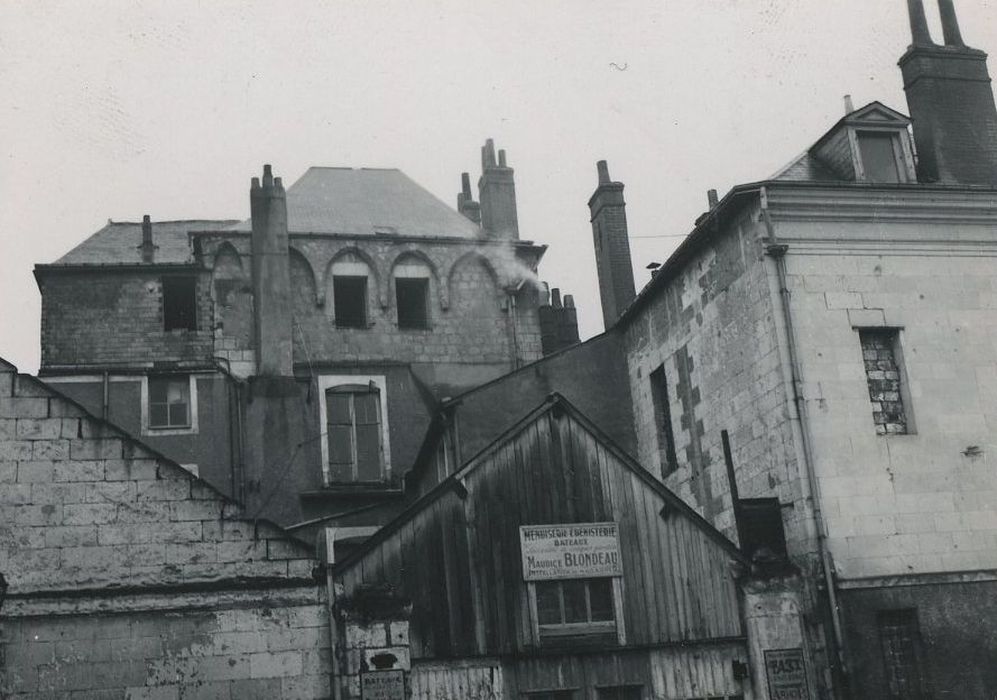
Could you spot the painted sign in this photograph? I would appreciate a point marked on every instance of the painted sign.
(382, 685)
(577, 550)
(787, 674)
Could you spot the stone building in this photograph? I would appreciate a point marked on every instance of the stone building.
(295, 359)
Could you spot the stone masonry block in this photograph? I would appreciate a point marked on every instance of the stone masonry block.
(364, 636)
(109, 448)
(50, 450)
(162, 490)
(18, 407)
(843, 300)
(15, 450)
(39, 428)
(866, 318)
(79, 470)
(28, 471)
(275, 665)
(130, 469)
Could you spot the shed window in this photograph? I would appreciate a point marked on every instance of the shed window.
(353, 431)
(169, 402)
(551, 695)
(576, 607)
(179, 303)
(350, 301)
(620, 692)
(879, 156)
(411, 297)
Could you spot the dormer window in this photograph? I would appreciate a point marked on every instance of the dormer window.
(881, 156)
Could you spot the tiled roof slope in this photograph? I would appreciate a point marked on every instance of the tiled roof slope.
(118, 243)
(366, 201)
(806, 168)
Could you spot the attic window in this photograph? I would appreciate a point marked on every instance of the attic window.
(349, 291)
(880, 155)
(179, 303)
(412, 294)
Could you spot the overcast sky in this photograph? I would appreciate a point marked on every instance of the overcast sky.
(121, 108)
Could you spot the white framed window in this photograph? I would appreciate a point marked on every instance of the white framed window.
(169, 404)
(353, 419)
(570, 612)
(881, 155)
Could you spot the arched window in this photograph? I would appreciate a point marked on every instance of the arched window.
(412, 294)
(349, 291)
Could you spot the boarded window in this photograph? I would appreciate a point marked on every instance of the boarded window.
(169, 402)
(576, 608)
(883, 373)
(663, 421)
(350, 301)
(900, 637)
(411, 296)
(879, 160)
(353, 431)
(620, 692)
(179, 303)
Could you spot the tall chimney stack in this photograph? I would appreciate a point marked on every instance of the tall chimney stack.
(612, 246)
(271, 277)
(951, 103)
(148, 247)
(497, 194)
(465, 200)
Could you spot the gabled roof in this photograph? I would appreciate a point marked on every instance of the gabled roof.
(118, 243)
(367, 201)
(553, 402)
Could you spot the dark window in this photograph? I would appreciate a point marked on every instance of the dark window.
(882, 371)
(761, 529)
(879, 160)
(903, 659)
(576, 607)
(551, 695)
(179, 303)
(620, 692)
(169, 402)
(353, 431)
(350, 301)
(411, 296)
(663, 421)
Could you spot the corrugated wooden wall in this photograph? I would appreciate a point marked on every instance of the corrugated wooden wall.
(459, 558)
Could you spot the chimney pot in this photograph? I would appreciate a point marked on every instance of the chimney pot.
(555, 298)
(603, 168)
(465, 185)
(918, 23)
(488, 154)
(569, 301)
(267, 176)
(849, 105)
(713, 199)
(148, 247)
(501, 160)
(950, 24)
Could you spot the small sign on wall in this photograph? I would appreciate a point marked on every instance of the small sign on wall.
(787, 674)
(382, 685)
(577, 550)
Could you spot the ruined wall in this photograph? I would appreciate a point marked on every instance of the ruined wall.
(110, 317)
(714, 328)
(130, 577)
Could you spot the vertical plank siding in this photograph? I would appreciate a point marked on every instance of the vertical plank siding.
(459, 558)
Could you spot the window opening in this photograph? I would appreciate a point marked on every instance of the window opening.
(169, 402)
(882, 371)
(411, 296)
(879, 158)
(900, 637)
(663, 421)
(551, 695)
(575, 607)
(353, 431)
(350, 301)
(179, 303)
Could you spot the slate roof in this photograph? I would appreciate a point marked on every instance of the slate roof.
(118, 243)
(366, 201)
(806, 168)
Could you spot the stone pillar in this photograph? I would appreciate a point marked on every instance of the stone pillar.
(374, 644)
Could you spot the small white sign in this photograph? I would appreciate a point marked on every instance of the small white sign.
(576, 550)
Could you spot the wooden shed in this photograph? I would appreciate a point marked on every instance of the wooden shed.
(552, 566)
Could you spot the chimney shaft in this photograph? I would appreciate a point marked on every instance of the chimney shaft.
(951, 104)
(612, 246)
(849, 104)
(497, 194)
(465, 200)
(271, 277)
(148, 247)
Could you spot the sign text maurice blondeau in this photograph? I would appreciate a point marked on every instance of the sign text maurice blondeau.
(579, 550)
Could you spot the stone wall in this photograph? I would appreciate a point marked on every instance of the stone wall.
(130, 577)
(116, 318)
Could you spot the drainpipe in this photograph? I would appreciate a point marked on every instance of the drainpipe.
(330, 561)
(777, 251)
(106, 408)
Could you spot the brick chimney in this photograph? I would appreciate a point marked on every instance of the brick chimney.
(612, 246)
(147, 247)
(497, 194)
(271, 277)
(951, 103)
(465, 200)
(558, 323)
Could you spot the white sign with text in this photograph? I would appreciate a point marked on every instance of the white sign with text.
(576, 550)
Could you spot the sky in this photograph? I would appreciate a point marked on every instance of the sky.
(114, 109)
